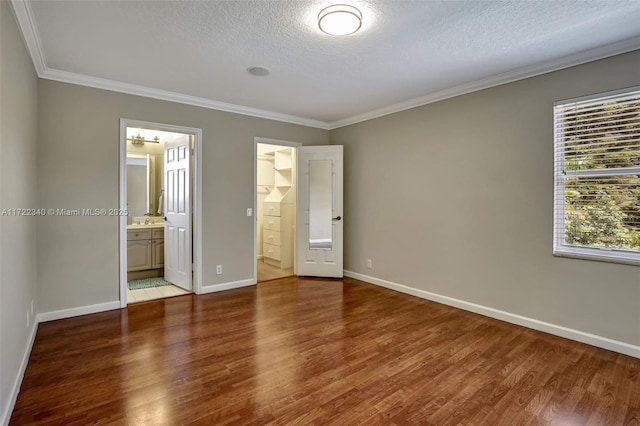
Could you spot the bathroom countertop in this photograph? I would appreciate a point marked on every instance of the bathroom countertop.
(147, 226)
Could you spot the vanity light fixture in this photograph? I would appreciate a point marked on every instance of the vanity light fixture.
(340, 19)
(137, 140)
(140, 140)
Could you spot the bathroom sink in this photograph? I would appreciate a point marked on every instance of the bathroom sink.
(145, 222)
(145, 225)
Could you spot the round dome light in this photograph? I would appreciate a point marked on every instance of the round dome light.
(340, 19)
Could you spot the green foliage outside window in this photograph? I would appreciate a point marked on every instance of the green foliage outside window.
(600, 223)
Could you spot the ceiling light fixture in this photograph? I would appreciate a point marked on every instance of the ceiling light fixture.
(340, 19)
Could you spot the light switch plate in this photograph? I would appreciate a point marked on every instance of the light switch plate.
(249, 212)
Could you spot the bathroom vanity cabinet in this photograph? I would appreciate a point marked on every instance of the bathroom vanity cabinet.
(145, 249)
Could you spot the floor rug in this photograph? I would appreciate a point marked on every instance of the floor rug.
(148, 283)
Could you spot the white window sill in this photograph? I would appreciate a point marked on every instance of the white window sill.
(611, 256)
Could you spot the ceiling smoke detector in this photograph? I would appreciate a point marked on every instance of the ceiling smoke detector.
(259, 71)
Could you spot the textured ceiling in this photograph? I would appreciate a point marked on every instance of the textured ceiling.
(405, 49)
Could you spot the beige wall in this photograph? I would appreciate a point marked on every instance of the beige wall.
(78, 168)
(456, 198)
(18, 136)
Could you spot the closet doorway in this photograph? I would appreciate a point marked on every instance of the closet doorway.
(275, 181)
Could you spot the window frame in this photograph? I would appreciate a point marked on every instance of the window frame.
(560, 247)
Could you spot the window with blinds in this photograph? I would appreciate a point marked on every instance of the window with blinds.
(597, 176)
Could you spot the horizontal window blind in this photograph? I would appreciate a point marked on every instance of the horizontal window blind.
(597, 176)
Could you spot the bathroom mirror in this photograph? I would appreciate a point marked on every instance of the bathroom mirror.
(144, 184)
(320, 204)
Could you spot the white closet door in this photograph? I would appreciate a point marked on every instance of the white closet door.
(320, 211)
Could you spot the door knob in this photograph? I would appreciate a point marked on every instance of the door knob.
(165, 218)
(337, 218)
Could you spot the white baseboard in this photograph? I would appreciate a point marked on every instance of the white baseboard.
(8, 409)
(74, 312)
(558, 330)
(227, 286)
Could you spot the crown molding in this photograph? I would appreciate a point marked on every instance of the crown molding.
(583, 57)
(26, 22)
(148, 92)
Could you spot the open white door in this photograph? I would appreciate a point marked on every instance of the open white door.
(177, 225)
(319, 218)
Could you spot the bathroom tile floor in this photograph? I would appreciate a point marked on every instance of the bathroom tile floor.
(145, 294)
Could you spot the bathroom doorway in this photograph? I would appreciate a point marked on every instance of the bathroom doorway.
(159, 191)
(275, 181)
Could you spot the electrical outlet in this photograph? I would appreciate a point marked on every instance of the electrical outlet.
(249, 212)
(219, 269)
(369, 263)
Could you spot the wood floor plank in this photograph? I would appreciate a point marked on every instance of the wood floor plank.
(315, 351)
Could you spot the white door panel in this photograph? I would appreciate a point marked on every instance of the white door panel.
(177, 227)
(320, 231)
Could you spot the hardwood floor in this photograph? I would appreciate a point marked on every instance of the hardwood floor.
(301, 351)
